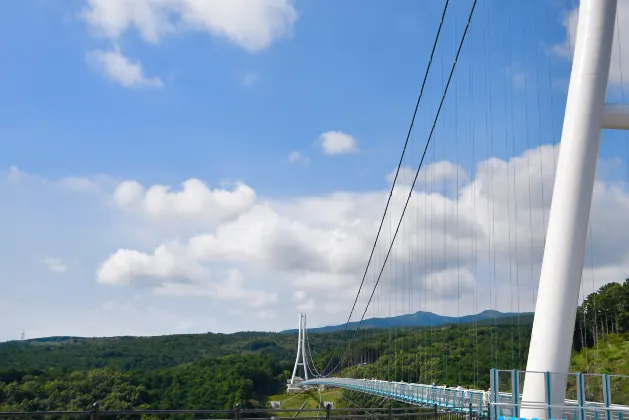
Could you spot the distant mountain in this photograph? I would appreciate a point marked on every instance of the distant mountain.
(429, 319)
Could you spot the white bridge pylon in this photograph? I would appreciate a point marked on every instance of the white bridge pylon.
(301, 350)
(562, 265)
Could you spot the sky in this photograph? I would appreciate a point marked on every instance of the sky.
(185, 166)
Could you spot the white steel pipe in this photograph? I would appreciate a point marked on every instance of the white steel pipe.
(292, 380)
(557, 299)
(303, 347)
(616, 117)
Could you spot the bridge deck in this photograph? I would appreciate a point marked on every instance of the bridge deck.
(416, 394)
(454, 400)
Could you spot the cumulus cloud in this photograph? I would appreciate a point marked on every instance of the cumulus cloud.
(195, 201)
(55, 265)
(450, 246)
(120, 69)
(126, 266)
(337, 143)
(461, 252)
(252, 26)
(170, 271)
(620, 50)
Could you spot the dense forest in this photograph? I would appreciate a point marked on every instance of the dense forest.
(218, 371)
(602, 313)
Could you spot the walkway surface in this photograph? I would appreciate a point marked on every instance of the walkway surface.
(416, 394)
(452, 399)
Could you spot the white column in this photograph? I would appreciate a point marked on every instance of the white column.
(557, 299)
(292, 381)
(303, 349)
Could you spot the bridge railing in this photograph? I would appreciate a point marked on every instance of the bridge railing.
(502, 401)
(588, 396)
(455, 400)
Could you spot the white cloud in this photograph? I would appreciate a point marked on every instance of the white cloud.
(79, 184)
(118, 68)
(15, 174)
(72, 183)
(453, 252)
(194, 201)
(56, 265)
(230, 288)
(619, 68)
(169, 271)
(448, 245)
(127, 193)
(337, 142)
(252, 26)
(125, 266)
(431, 174)
(298, 157)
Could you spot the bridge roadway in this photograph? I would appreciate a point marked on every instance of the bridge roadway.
(416, 394)
(452, 399)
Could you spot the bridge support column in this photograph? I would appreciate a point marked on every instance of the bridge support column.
(562, 266)
(301, 349)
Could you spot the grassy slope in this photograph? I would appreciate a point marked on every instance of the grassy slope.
(311, 398)
(611, 356)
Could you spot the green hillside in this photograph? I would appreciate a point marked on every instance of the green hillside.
(138, 353)
(217, 371)
(309, 400)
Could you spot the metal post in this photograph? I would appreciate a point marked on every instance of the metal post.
(581, 395)
(237, 416)
(558, 294)
(607, 396)
(327, 411)
(435, 411)
(493, 385)
(515, 393)
(292, 380)
(303, 347)
(390, 413)
(549, 395)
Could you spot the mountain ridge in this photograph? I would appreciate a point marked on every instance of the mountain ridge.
(422, 319)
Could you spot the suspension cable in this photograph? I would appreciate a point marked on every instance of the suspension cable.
(397, 171)
(428, 141)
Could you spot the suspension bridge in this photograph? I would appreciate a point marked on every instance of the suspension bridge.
(431, 196)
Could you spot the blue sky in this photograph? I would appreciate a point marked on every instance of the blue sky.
(349, 67)
(225, 94)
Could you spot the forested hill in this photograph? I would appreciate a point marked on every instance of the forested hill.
(214, 371)
(137, 353)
